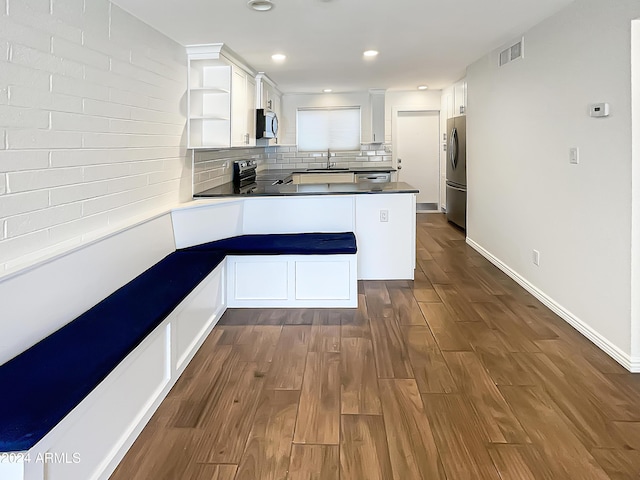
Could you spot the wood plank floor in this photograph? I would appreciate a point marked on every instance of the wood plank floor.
(457, 375)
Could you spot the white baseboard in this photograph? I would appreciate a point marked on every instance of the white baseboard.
(627, 361)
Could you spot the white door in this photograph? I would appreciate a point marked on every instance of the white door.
(417, 152)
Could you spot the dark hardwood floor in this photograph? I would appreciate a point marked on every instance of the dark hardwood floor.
(460, 374)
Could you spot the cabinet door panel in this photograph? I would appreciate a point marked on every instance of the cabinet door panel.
(238, 108)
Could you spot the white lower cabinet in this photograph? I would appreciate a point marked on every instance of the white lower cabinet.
(292, 281)
(386, 234)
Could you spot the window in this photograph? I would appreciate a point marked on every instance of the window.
(336, 128)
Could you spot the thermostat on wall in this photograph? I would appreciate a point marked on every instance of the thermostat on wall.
(599, 110)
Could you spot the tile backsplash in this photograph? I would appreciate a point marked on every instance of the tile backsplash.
(288, 157)
(215, 167)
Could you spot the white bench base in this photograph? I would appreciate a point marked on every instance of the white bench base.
(292, 281)
(91, 441)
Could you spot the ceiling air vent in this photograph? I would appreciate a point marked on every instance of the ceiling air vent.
(511, 53)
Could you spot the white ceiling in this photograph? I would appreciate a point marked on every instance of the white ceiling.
(420, 41)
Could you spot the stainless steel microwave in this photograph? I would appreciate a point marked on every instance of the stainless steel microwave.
(266, 124)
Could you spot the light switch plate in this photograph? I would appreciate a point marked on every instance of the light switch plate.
(574, 155)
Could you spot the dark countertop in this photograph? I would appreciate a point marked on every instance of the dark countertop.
(266, 189)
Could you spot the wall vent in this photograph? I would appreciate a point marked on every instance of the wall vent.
(512, 52)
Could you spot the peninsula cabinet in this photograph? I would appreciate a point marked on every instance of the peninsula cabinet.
(221, 98)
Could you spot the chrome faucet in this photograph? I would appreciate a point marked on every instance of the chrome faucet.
(328, 158)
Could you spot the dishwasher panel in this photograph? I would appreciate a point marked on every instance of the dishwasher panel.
(382, 177)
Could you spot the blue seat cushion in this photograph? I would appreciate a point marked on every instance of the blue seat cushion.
(43, 384)
(283, 244)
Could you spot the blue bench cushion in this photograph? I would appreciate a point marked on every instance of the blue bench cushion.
(43, 384)
(283, 244)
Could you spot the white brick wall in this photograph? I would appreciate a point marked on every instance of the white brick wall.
(91, 126)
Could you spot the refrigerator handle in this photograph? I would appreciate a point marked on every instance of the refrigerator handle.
(453, 148)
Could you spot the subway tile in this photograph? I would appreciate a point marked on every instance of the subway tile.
(11, 161)
(177, 73)
(155, 116)
(42, 139)
(15, 204)
(13, 74)
(69, 11)
(96, 24)
(40, 19)
(109, 202)
(3, 183)
(63, 48)
(61, 121)
(33, 221)
(106, 109)
(105, 172)
(76, 193)
(39, 179)
(78, 88)
(4, 50)
(12, 248)
(126, 97)
(19, 117)
(43, 100)
(78, 228)
(163, 177)
(148, 128)
(31, 7)
(72, 158)
(98, 39)
(23, 35)
(124, 184)
(109, 140)
(38, 60)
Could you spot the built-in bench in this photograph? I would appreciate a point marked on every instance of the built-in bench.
(137, 341)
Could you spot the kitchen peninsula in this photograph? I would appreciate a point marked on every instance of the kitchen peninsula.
(382, 215)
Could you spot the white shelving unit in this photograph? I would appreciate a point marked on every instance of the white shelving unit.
(209, 97)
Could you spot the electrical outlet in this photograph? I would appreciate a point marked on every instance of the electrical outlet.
(574, 155)
(536, 258)
(384, 215)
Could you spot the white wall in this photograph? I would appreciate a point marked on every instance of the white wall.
(523, 194)
(91, 122)
(635, 207)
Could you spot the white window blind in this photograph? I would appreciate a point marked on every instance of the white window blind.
(322, 128)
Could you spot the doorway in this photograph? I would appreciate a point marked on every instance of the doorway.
(416, 149)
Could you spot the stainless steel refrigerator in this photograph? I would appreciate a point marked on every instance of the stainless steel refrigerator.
(457, 171)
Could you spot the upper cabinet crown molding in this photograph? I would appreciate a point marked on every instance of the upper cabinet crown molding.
(220, 51)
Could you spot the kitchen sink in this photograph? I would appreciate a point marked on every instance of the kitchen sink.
(332, 169)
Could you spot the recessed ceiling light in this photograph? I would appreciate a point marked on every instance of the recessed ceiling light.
(278, 57)
(370, 53)
(423, 87)
(327, 90)
(260, 5)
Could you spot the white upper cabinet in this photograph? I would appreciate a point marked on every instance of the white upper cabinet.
(454, 99)
(268, 97)
(243, 109)
(460, 98)
(221, 99)
(377, 115)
